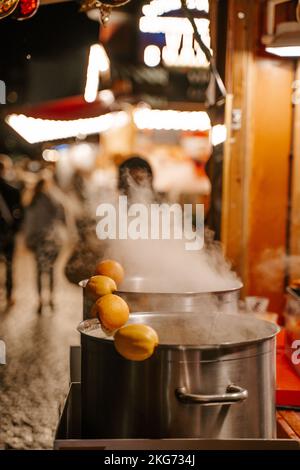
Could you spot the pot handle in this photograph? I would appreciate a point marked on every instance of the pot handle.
(234, 394)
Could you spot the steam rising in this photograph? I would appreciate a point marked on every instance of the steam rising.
(166, 267)
(269, 269)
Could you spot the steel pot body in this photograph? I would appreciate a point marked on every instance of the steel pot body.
(218, 391)
(140, 301)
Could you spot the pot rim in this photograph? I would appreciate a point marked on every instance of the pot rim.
(192, 347)
(175, 294)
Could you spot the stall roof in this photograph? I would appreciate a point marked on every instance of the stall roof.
(70, 108)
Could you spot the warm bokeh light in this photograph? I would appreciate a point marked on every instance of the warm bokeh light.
(171, 120)
(50, 155)
(152, 56)
(41, 130)
(218, 134)
(288, 51)
(160, 7)
(98, 63)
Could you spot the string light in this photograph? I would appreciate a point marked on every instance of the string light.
(170, 24)
(42, 130)
(190, 55)
(156, 119)
(178, 31)
(161, 7)
(152, 56)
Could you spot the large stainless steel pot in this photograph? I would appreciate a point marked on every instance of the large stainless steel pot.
(140, 299)
(212, 376)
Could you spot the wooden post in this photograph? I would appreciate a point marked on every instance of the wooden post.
(295, 199)
(257, 157)
(225, 232)
(240, 44)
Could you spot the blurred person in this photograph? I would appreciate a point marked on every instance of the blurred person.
(10, 221)
(78, 186)
(87, 249)
(135, 180)
(45, 225)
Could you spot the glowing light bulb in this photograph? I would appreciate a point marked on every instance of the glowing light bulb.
(152, 56)
(98, 63)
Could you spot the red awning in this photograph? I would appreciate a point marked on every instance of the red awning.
(71, 108)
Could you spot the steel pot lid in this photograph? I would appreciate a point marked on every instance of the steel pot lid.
(143, 286)
(195, 331)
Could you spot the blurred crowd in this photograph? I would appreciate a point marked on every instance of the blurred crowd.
(48, 216)
(53, 212)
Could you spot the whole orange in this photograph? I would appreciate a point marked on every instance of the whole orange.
(136, 342)
(112, 269)
(112, 311)
(101, 285)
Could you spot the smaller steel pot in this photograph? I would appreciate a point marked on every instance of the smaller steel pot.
(140, 299)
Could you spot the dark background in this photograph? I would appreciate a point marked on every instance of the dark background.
(45, 58)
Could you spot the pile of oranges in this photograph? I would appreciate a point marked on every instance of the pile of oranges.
(134, 342)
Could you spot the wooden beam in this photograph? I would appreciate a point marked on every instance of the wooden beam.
(269, 176)
(242, 16)
(227, 165)
(295, 198)
(256, 165)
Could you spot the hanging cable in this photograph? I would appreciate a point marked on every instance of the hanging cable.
(204, 48)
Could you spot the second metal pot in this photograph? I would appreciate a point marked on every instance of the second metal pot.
(140, 300)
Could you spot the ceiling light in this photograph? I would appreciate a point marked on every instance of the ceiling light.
(290, 51)
(285, 41)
